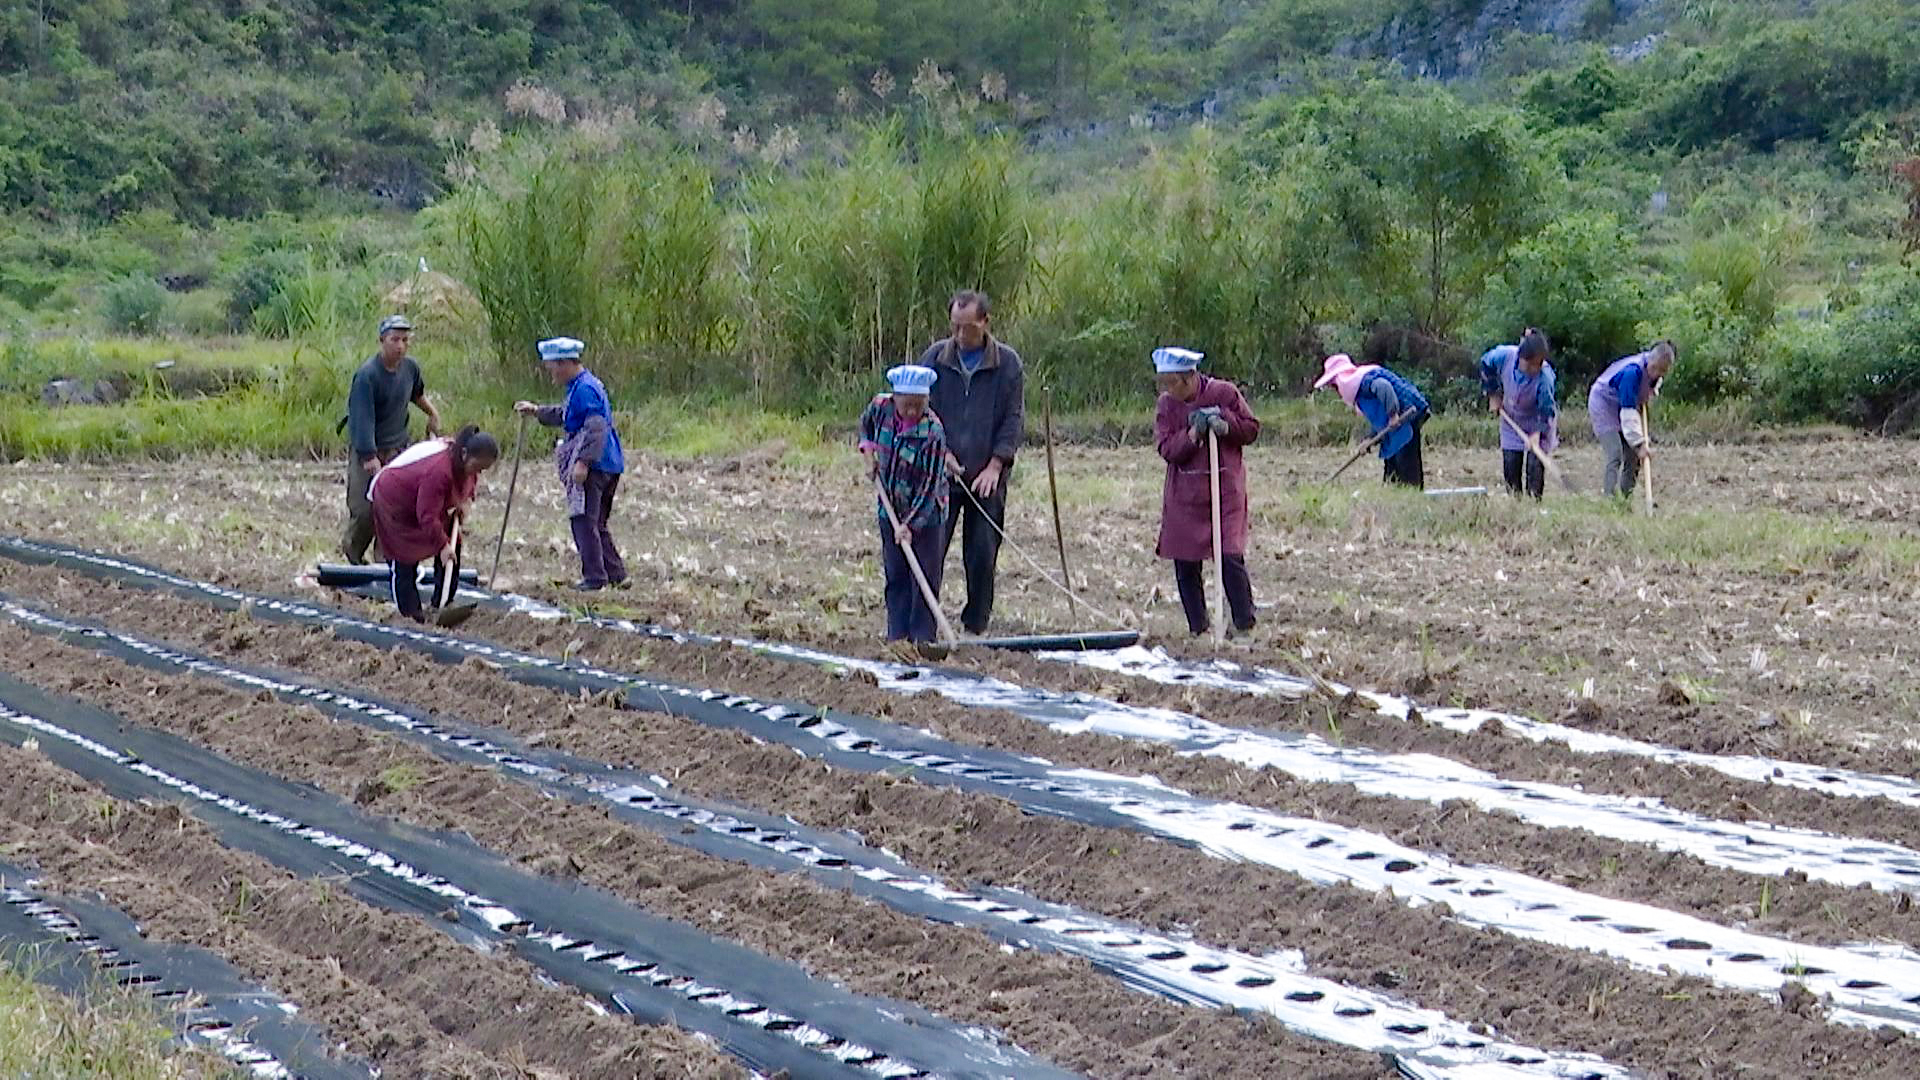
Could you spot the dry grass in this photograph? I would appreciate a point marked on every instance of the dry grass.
(45, 1036)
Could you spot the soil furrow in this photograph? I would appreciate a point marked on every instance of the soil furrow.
(401, 994)
(1790, 906)
(90, 951)
(1533, 992)
(1050, 1005)
(1490, 747)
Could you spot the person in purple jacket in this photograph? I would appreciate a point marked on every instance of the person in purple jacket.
(1519, 382)
(1192, 405)
(1616, 403)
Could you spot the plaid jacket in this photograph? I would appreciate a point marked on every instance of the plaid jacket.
(913, 467)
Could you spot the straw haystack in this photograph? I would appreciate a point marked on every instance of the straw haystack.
(437, 298)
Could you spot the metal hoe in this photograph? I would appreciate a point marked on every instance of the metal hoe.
(449, 576)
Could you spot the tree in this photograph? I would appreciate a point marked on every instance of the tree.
(1457, 183)
(811, 48)
(1059, 38)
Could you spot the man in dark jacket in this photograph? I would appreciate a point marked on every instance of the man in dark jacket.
(980, 397)
(377, 425)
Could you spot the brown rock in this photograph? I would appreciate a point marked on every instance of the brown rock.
(1797, 999)
(1582, 711)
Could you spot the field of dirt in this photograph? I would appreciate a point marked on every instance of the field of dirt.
(1761, 609)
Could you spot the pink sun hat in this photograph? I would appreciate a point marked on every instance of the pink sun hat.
(1341, 371)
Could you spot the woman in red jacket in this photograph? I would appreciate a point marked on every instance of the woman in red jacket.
(416, 499)
(1191, 406)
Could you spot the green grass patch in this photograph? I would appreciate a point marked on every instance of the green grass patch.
(400, 778)
(247, 396)
(1593, 530)
(47, 1036)
(691, 428)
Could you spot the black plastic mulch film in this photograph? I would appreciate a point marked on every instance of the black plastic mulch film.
(80, 946)
(854, 742)
(371, 581)
(730, 832)
(768, 1013)
(866, 745)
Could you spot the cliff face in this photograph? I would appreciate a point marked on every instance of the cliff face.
(1447, 40)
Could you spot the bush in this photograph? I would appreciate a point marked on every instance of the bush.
(1799, 376)
(135, 304)
(202, 312)
(1863, 368)
(1716, 345)
(672, 258)
(319, 300)
(1572, 280)
(255, 282)
(529, 254)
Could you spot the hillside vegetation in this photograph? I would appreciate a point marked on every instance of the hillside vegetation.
(774, 196)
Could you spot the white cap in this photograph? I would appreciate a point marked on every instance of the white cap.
(1169, 359)
(912, 379)
(561, 348)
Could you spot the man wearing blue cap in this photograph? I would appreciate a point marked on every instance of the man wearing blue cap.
(376, 425)
(588, 458)
(1193, 408)
(981, 398)
(905, 445)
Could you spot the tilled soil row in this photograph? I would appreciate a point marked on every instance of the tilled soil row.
(403, 995)
(1533, 993)
(1353, 722)
(1794, 907)
(1517, 608)
(1058, 1007)
(1702, 791)
(1477, 616)
(1817, 912)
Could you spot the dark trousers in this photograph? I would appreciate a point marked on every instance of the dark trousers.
(404, 578)
(1188, 576)
(908, 615)
(1521, 467)
(358, 534)
(600, 562)
(978, 526)
(1405, 467)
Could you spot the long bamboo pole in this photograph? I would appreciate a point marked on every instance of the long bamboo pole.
(1053, 491)
(513, 480)
(1219, 553)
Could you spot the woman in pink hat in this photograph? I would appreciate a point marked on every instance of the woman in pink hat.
(1191, 406)
(1385, 400)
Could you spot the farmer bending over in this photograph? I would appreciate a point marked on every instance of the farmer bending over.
(906, 448)
(588, 459)
(416, 499)
(376, 425)
(1519, 382)
(1386, 401)
(1616, 403)
(1191, 407)
(981, 398)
